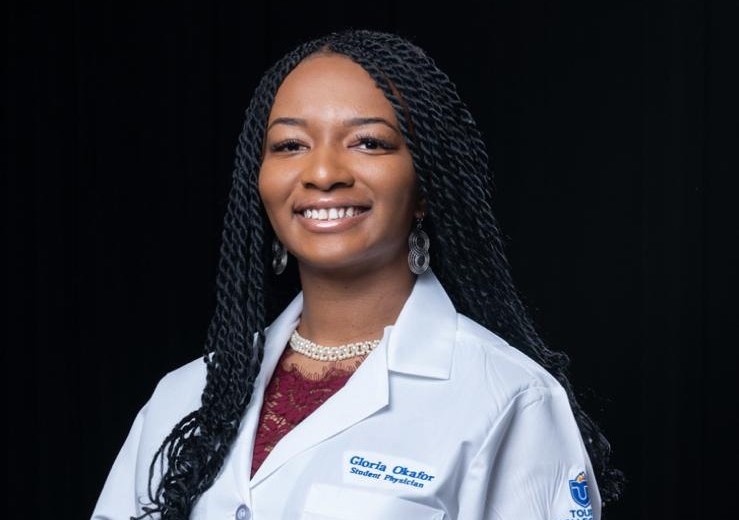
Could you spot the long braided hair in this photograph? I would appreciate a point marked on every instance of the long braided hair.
(451, 163)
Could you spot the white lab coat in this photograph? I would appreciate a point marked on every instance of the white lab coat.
(443, 420)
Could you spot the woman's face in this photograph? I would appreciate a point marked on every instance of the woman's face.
(337, 180)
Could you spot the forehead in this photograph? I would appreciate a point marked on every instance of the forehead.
(326, 85)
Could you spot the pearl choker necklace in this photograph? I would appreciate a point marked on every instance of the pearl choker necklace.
(321, 353)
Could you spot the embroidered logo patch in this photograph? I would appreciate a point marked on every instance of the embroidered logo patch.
(387, 471)
(579, 490)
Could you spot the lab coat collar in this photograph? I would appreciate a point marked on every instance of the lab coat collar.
(422, 340)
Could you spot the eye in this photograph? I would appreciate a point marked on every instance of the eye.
(287, 146)
(368, 142)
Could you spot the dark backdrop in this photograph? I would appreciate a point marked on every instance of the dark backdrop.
(612, 130)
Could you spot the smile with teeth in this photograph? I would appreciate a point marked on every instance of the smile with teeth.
(332, 213)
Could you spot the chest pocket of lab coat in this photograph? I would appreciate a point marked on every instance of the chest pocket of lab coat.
(327, 502)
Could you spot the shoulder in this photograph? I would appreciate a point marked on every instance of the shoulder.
(176, 394)
(503, 371)
(183, 377)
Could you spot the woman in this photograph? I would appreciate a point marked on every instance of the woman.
(385, 387)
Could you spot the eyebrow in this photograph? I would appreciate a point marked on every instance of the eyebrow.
(355, 121)
(290, 121)
(361, 121)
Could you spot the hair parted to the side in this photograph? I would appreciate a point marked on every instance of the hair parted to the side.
(451, 162)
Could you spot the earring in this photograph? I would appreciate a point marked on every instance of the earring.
(279, 257)
(419, 243)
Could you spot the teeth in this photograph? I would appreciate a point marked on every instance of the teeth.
(331, 213)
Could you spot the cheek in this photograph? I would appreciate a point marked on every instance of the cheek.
(270, 191)
(396, 179)
(406, 193)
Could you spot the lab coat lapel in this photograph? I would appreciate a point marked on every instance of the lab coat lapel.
(422, 342)
(277, 336)
(365, 393)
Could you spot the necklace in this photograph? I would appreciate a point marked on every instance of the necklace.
(314, 351)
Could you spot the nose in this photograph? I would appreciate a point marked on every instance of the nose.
(326, 169)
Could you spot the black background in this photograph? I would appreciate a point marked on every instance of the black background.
(612, 129)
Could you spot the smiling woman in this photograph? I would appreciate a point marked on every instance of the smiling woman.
(400, 376)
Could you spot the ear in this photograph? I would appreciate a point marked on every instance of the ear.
(420, 208)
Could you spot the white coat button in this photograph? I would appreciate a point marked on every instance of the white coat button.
(242, 513)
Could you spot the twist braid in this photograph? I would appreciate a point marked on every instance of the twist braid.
(451, 163)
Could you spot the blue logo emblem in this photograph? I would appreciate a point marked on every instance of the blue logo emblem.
(579, 490)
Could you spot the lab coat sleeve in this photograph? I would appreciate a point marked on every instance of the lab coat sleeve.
(118, 499)
(532, 465)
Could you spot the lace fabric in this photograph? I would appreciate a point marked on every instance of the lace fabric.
(296, 390)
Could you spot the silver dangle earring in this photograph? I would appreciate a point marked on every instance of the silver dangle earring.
(419, 243)
(279, 257)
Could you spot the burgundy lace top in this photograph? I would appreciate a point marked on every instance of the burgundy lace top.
(289, 398)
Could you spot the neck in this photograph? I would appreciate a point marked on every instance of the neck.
(342, 309)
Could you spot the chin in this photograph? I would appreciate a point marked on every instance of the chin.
(355, 265)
